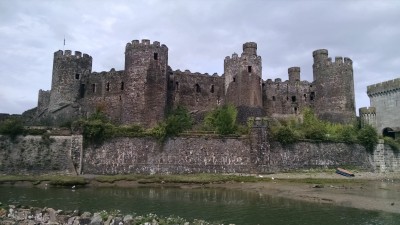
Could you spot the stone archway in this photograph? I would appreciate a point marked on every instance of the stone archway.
(389, 132)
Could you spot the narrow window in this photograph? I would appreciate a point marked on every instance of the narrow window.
(273, 98)
(249, 69)
(212, 88)
(155, 56)
(122, 86)
(177, 85)
(295, 110)
(234, 79)
(108, 86)
(198, 90)
(77, 76)
(312, 96)
(93, 88)
(293, 98)
(82, 90)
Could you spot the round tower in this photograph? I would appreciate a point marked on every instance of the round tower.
(243, 84)
(146, 78)
(68, 71)
(294, 74)
(334, 88)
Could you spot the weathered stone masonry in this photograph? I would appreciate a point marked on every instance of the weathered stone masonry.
(65, 155)
(147, 87)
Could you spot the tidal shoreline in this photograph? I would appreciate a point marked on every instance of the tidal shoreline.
(369, 191)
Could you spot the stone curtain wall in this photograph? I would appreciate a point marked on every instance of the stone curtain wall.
(209, 155)
(37, 154)
(177, 155)
(63, 154)
(385, 160)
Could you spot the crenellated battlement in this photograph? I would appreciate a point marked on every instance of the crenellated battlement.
(321, 57)
(68, 53)
(144, 43)
(367, 110)
(188, 72)
(384, 87)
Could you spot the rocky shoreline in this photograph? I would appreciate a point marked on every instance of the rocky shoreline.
(32, 216)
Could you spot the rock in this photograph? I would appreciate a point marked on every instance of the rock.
(52, 215)
(128, 219)
(86, 215)
(96, 219)
(109, 220)
(3, 213)
(318, 186)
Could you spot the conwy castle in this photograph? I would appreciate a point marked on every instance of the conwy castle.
(143, 92)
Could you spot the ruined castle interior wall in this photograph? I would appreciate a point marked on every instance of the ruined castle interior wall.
(334, 97)
(385, 98)
(105, 92)
(197, 92)
(282, 98)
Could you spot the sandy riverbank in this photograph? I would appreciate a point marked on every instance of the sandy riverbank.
(371, 191)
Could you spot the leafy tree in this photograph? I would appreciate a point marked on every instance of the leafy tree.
(222, 119)
(178, 121)
(12, 127)
(368, 137)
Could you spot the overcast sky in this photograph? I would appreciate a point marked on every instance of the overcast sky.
(199, 34)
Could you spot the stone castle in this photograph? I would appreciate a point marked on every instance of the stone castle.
(147, 88)
(383, 114)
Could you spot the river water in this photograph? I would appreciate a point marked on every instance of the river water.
(214, 205)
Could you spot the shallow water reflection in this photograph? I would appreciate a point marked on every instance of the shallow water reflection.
(219, 205)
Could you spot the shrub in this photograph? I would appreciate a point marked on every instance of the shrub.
(368, 137)
(285, 135)
(395, 145)
(12, 127)
(178, 121)
(222, 119)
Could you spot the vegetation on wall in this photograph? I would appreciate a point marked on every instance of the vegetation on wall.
(394, 144)
(310, 127)
(12, 127)
(222, 120)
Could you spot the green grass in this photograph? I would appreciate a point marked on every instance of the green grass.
(55, 180)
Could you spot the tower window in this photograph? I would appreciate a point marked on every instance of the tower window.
(198, 89)
(108, 86)
(234, 79)
(82, 90)
(293, 98)
(77, 76)
(177, 85)
(249, 69)
(155, 56)
(312, 96)
(122, 86)
(93, 88)
(273, 98)
(212, 88)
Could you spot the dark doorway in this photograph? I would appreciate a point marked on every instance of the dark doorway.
(388, 132)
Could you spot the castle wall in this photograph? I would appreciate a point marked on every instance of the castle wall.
(65, 155)
(385, 97)
(35, 154)
(288, 97)
(199, 93)
(43, 101)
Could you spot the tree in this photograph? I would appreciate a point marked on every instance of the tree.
(222, 119)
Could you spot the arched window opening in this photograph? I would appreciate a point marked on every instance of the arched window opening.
(388, 132)
(93, 88)
(212, 88)
(108, 86)
(122, 86)
(198, 89)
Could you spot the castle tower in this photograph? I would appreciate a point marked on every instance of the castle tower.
(294, 74)
(368, 116)
(334, 88)
(243, 78)
(146, 83)
(68, 71)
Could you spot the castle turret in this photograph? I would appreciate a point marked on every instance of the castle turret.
(68, 70)
(146, 82)
(243, 80)
(334, 88)
(294, 74)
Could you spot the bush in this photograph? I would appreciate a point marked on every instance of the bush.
(178, 121)
(222, 120)
(395, 145)
(12, 127)
(285, 135)
(368, 137)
